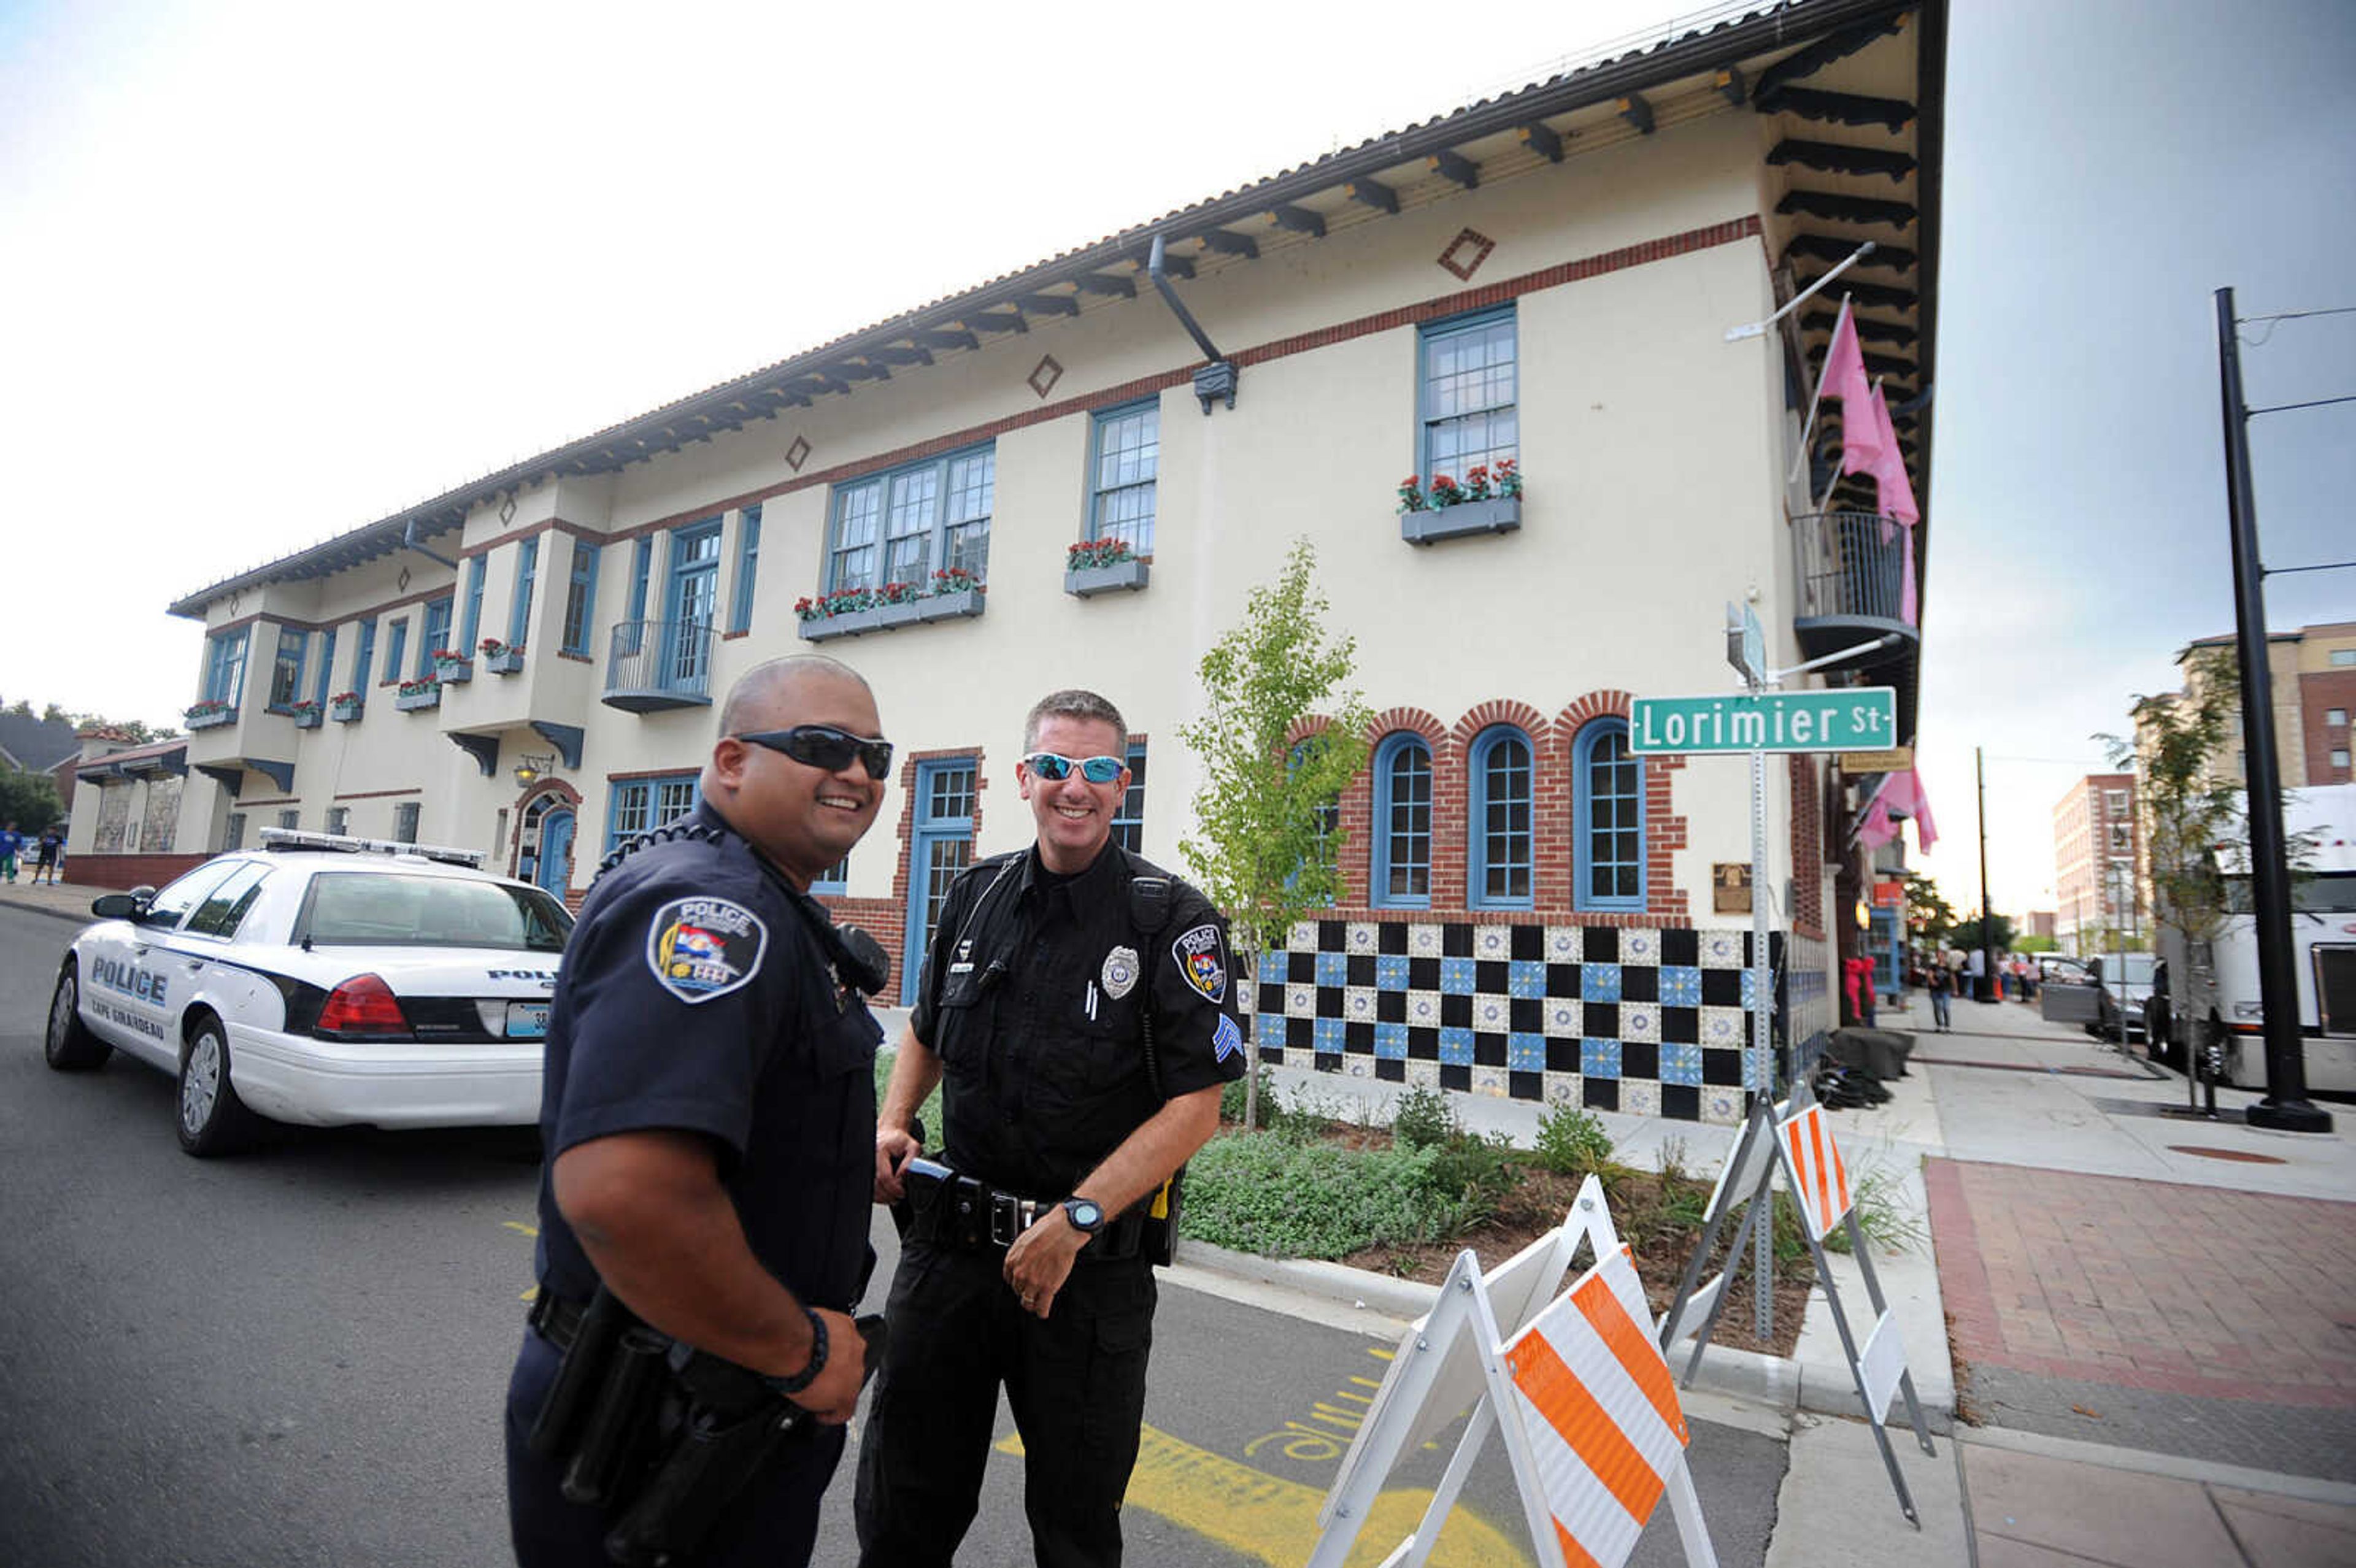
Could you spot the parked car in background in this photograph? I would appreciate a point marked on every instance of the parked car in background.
(2097, 991)
(320, 980)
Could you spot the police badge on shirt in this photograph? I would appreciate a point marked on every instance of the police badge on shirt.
(702, 948)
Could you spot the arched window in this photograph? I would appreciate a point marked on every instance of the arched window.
(1329, 817)
(1498, 873)
(1607, 828)
(1400, 876)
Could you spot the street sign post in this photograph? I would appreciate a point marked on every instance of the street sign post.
(1848, 719)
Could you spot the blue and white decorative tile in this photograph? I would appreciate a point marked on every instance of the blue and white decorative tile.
(1326, 1036)
(1749, 987)
(1422, 1074)
(1490, 1081)
(1358, 1004)
(1598, 982)
(1640, 1097)
(1563, 1019)
(1565, 943)
(1640, 1021)
(1721, 950)
(1274, 968)
(1301, 1001)
(1456, 977)
(1526, 979)
(1358, 937)
(1599, 1058)
(1637, 947)
(1754, 1072)
(1423, 942)
(1681, 1064)
(1423, 1009)
(1390, 1042)
(1302, 937)
(1721, 1105)
(1680, 985)
(1391, 972)
(1525, 1052)
(1333, 969)
(1456, 1046)
(1494, 944)
(1492, 1014)
(1723, 1026)
(1563, 1089)
(1300, 1057)
(1269, 1029)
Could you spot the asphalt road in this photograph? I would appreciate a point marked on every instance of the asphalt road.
(298, 1356)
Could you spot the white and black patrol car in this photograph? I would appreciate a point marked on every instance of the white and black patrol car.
(324, 981)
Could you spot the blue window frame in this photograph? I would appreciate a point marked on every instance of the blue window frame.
(1608, 825)
(1402, 874)
(364, 661)
(1128, 458)
(580, 597)
(520, 612)
(1129, 822)
(642, 565)
(639, 805)
(1468, 390)
(396, 644)
(434, 633)
(940, 845)
(1498, 874)
(471, 630)
(225, 667)
(319, 691)
(904, 524)
(748, 566)
(835, 878)
(1329, 818)
(286, 670)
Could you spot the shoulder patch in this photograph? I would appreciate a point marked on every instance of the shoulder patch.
(700, 948)
(1226, 1039)
(1203, 960)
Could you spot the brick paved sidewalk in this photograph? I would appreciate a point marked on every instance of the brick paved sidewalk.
(2154, 1314)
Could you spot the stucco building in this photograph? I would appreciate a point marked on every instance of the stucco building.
(1547, 277)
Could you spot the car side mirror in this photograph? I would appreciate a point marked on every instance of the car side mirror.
(131, 906)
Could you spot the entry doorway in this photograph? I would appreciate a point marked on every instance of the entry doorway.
(940, 845)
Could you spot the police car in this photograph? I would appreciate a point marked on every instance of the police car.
(324, 981)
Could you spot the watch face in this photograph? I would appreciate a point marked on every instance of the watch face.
(1084, 1213)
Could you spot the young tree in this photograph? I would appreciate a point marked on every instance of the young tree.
(1266, 845)
(2189, 808)
(1929, 917)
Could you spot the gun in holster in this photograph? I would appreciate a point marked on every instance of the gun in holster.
(600, 1412)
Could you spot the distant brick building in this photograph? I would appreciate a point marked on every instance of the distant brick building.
(2096, 859)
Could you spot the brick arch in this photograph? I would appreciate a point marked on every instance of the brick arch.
(1358, 825)
(1665, 829)
(1546, 783)
(554, 791)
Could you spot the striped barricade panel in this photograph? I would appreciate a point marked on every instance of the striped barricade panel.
(1819, 1179)
(1595, 1399)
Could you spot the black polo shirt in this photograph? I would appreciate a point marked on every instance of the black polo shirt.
(1037, 994)
(694, 995)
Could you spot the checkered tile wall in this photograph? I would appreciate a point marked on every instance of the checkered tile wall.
(1645, 1021)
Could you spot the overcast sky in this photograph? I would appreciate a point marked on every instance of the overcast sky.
(271, 272)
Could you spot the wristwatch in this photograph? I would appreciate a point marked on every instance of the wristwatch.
(1086, 1214)
(796, 1382)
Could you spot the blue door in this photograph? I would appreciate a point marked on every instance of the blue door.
(555, 866)
(1881, 946)
(694, 605)
(940, 847)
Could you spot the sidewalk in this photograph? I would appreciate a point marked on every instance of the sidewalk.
(65, 901)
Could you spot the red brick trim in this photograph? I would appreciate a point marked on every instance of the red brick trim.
(105, 870)
(566, 796)
(379, 793)
(653, 773)
(1808, 847)
(892, 913)
(1665, 830)
(576, 658)
(1358, 824)
(236, 804)
(532, 531)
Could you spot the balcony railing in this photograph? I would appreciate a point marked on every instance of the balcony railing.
(653, 665)
(1849, 566)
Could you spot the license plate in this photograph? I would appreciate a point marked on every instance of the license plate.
(526, 1021)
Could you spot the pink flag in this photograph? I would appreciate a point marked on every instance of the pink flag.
(1861, 438)
(1888, 467)
(1877, 829)
(1904, 793)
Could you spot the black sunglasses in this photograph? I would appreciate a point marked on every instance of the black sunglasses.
(824, 746)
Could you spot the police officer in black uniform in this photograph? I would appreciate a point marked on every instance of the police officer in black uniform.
(1084, 1028)
(709, 1107)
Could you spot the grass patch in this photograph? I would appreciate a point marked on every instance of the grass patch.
(930, 1112)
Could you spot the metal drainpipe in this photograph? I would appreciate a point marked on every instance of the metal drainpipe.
(409, 541)
(1216, 379)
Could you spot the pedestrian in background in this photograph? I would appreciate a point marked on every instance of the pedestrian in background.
(11, 842)
(53, 855)
(1943, 990)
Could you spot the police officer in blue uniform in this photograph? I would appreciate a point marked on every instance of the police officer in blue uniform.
(708, 1109)
(1078, 1007)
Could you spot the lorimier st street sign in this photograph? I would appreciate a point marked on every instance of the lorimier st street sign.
(1853, 719)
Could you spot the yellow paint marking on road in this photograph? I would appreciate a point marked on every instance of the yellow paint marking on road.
(519, 1225)
(1267, 1519)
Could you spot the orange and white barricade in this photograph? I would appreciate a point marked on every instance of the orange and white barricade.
(1819, 1179)
(1577, 1388)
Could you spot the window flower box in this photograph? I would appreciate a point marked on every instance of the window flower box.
(951, 606)
(416, 694)
(210, 714)
(346, 708)
(499, 658)
(451, 666)
(307, 715)
(1101, 566)
(848, 612)
(1485, 503)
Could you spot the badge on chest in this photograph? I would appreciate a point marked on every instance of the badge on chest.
(1121, 968)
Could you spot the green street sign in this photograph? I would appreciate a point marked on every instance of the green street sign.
(1856, 718)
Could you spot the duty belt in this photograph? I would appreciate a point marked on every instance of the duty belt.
(555, 1318)
(951, 1210)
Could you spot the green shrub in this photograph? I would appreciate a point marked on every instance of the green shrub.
(1422, 1117)
(930, 1112)
(1878, 1215)
(1473, 1174)
(1231, 1099)
(1282, 1195)
(1572, 1142)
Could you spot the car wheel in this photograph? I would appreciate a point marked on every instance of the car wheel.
(68, 1045)
(210, 1118)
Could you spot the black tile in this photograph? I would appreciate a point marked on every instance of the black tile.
(1600, 1021)
(1527, 1014)
(1639, 1059)
(1301, 968)
(1332, 935)
(1680, 1103)
(1329, 1001)
(1390, 1071)
(1681, 1026)
(1272, 998)
(1456, 941)
(1601, 943)
(1272, 1055)
(1721, 1065)
(1455, 1077)
(1391, 936)
(1599, 1094)
(1488, 1051)
(1721, 988)
(1390, 1006)
(1489, 977)
(1359, 1038)
(1359, 969)
(1562, 980)
(1640, 983)
(1530, 941)
(1562, 1056)
(1328, 1062)
(1423, 973)
(1681, 946)
(1456, 1011)
(1526, 1085)
(1422, 1044)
